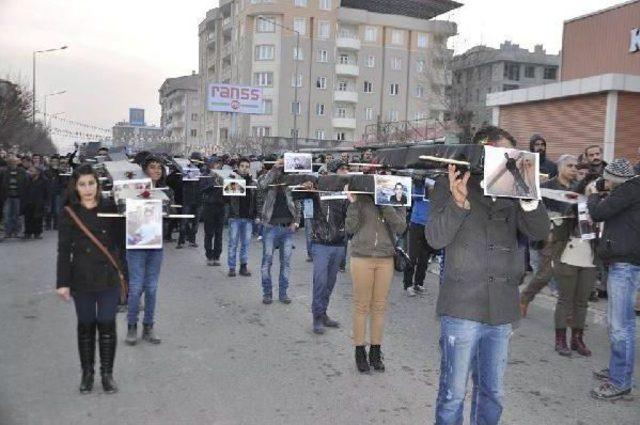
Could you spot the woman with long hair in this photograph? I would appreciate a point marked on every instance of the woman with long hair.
(86, 274)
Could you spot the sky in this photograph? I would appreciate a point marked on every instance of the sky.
(121, 51)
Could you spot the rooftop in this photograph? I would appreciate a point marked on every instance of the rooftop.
(508, 52)
(186, 82)
(422, 9)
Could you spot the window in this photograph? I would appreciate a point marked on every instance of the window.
(298, 54)
(420, 65)
(371, 61)
(342, 85)
(341, 136)
(263, 79)
(260, 131)
(550, 73)
(194, 133)
(507, 87)
(194, 117)
(434, 115)
(344, 59)
(530, 72)
(396, 63)
(419, 91)
(397, 37)
(341, 112)
(422, 41)
(323, 56)
(512, 71)
(265, 52)
(368, 114)
(300, 3)
(266, 24)
(368, 87)
(324, 30)
(420, 116)
(394, 89)
(320, 134)
(321, 83)
(295, 133)
(300, 25)
(267, 106)
(370, 34)
(296, 82)
(324, 5)
(393, 115)
(295, 108)
(320, 109)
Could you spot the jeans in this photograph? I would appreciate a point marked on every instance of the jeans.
(239, 231)
(189, 226)
(326, 264)
(622, 285)
(308, 230)
(144, 272)
(213, 229)
(52, 215)
(11, 215)
(282, 237)
(100, 306)
(469, 346)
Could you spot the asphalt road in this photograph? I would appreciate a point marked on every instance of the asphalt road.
(227, 359)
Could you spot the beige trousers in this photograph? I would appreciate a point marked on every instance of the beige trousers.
(371, 278)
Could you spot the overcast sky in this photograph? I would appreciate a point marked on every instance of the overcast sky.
(121, 51)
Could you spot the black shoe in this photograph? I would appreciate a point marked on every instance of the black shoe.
(132, 335)
(87, 350)
(232, 273)
(267, 299)
(244, 271)
(329, 323)
(37, 236)
(285, 300)
(361, 359)
(193, 245)
(318, 325)
(149, 335)
(213, 263)
(375, 358)
(107, 343)
(179, 245)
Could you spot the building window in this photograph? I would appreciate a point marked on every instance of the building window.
(296, 82)
(419, 91)
(393, 115)
(341, 136)
(323, 56)
(194, 117)
(368, 114)
(434, 115)
(370, 34)
(320, 109)
(321, 83)
(344, 59)
(295, 108)
(397, 37)
(394, 89)
(507, 87)
(420, 116)
(194, 133)
(550, 73)
(530, 72)
(420, 65)
(263, 79)
(320, 134)
(324, 30)
(341, 112)
(371, 61)
(295, 133)
(267, 106)
(512, 71)
(300, 3)
(342, 85)
(324, 5)
(396, 63)
(298, 53)
(368, 87)
(266, 24)
(300, 25)
(265, 52)
(260, 131)
(422, 41)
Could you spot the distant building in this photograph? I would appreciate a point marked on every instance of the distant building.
(180, 105)
(127, 133)
(482, 70)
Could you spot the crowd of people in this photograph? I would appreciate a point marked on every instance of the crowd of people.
(485, 248)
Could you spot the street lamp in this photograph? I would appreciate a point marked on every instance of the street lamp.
(33, 106)
(295, 86)
(45, 101)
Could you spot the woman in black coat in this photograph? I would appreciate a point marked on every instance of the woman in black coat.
(35, 200)
(86, 274)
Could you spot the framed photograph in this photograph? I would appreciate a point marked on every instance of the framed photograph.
(298, 162)
(190, 173)
(511, 173)
(392, 190)
(144, 224)
(234, 187)
(130, 188)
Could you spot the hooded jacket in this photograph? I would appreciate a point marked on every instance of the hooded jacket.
(546, 166)
(275, 175)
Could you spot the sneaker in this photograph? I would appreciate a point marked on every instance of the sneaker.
(232, 273)
(309, 259)
(179, 246)
(410, 291)
(211, 262)
(259, 238)
(193, 245)
(267, 299)
(343, 269)
(285, 300)
(607, 391)
(418, 288)
(602, 374)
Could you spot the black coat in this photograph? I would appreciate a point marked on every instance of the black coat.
(81, 265)
(36, 195)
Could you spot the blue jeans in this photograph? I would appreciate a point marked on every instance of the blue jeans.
(326, 263)
(239, 231)
(282, 237)
(11, 216)
(622, 284)
(308, 228)
(144, 272)
(469, 346)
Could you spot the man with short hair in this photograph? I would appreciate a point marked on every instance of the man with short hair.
(213, 212)
(14, 183)
(242, 213)
(593, 155)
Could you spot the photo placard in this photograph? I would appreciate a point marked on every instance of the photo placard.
(234, 187)
(144, 224)
(511, 173)
(130, 188)
(393, 190)
(298, 162)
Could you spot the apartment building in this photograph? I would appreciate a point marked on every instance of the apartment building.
(338, 65)
(180, 109)
(482, 70)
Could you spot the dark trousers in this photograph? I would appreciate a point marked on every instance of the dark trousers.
(213, 226)
(189, 226)
(32, 220)
(98, 306)
(419, 252)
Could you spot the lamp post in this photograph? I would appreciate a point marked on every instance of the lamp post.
(45, 101)
(33, 87)
(295, 85)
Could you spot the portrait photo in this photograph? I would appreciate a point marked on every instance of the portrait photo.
(511, 173)
(123, 189)
(144, 224)
(234, 187)
(392, 190)
(298, 162)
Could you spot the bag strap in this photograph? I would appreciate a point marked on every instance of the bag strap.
(98, 244)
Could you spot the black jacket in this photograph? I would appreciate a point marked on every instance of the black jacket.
(36, 195)
(211, 190)
(21, 178)
(620, 211)
(81, 265)
(244, 206)
(328, 223)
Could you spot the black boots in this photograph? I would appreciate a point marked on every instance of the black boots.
(132, 335)
(148, 334)
(361, 359)
(561, 343)
(87, 350)
(107, 343)
(375, 358)
(244, 271)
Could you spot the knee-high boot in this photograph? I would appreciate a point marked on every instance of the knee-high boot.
(107, 342)
(87, 351)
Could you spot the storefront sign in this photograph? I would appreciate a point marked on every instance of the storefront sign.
(232, 98)
(634, 44)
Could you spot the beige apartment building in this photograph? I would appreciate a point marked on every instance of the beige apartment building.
(358, 62)
(180, 104)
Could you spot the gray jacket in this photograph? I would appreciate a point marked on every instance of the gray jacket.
(369, 224)
(484, 263)
(275, 175)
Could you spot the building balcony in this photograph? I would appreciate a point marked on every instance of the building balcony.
(345, 123)
(347, 43)
(347, 69)
(211, 39)
(345, 96)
